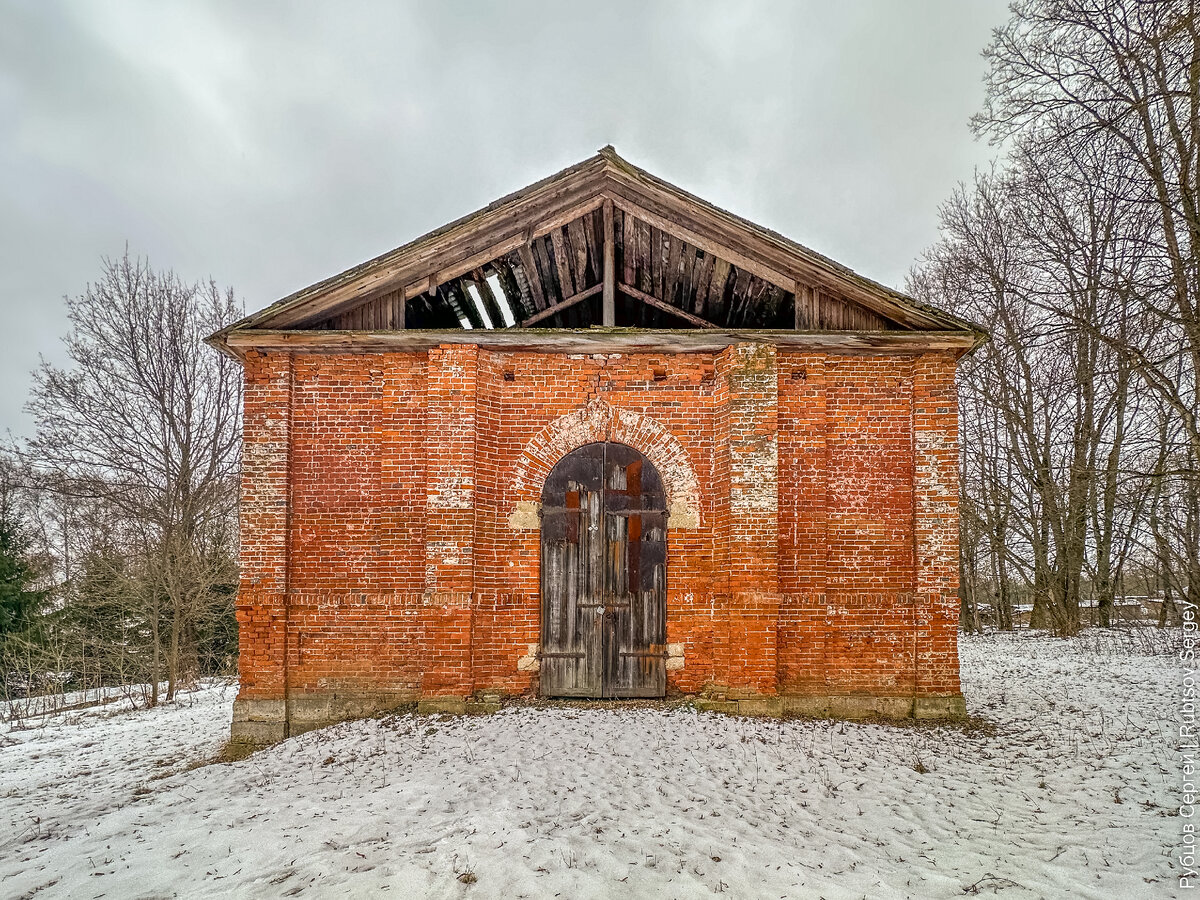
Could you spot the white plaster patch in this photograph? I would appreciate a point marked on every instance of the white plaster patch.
(674, 657)
(526, 516)
(681, 517)
(754, 479)
(455, 492)
(529, 662)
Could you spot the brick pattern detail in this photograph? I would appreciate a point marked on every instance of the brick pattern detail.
(598, 421)
(380, 560)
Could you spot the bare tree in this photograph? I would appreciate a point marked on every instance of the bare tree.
(1082, 255)
(1077, 71)
(143, 430)
(1073, 74)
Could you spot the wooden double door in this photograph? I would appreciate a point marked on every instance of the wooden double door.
(604, 576)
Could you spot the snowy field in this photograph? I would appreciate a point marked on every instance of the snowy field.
(1069, 793)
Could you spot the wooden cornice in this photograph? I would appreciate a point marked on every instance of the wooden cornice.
(600, 340)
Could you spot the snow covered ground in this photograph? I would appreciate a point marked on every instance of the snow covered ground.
(1071, 793)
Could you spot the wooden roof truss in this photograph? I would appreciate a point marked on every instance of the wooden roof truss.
(557, 280)
(602, 244)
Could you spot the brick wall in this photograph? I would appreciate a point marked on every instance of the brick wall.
(391, 499)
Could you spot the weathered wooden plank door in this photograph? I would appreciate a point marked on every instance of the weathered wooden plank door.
(604, 575)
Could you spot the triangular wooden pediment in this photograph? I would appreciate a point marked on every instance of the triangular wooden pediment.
(539, 257)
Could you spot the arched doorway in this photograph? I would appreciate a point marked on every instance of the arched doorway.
(604, 575)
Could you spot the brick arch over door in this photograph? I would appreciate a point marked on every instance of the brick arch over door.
(597, 422)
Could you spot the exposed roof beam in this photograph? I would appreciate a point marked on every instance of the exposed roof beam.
(561, 263)
(579, 248)
(700, 301)
(665, 307)
(708, 246)
(608, 315)
(564, 304)
(804, 306)
(546, 266)
(531, 276)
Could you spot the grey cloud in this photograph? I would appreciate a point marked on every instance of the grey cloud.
(269, 145)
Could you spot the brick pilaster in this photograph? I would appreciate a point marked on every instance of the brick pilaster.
(750, 375)
(935, 523)
(803, 522)
(262, 590)
(452, 384)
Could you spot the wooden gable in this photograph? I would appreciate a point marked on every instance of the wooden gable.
(605, 244)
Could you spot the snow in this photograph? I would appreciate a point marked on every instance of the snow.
(1070, 790)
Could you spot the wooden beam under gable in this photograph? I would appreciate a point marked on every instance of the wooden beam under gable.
(737, 302)
(687, 262)
(716, 288)
(628, 249)
(537, 292)
(418, 287)
(562, 263)
(595, 245)
(577, 238)
(703, 277)
(804, 310)
(644, 275)
(545, 268)
(608, 308)
(596, 340)
(562, 305)
(654, 302)
(672, 273)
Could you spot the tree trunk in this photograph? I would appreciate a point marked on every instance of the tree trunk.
(173, 655)
(1004, 610)
(1104, 593)
(1040, 616)
(155, 654)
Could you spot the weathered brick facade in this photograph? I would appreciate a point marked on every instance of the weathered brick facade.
(796, 454)
(390, 523)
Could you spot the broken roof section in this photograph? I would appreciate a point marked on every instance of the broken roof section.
(600, 244)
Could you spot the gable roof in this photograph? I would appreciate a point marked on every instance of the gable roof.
(509, 225)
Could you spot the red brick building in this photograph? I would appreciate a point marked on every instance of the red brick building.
(599, 439)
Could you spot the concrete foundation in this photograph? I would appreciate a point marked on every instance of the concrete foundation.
(840, 706)
(266, 721)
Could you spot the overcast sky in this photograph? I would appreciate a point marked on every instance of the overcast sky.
(269, 145)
